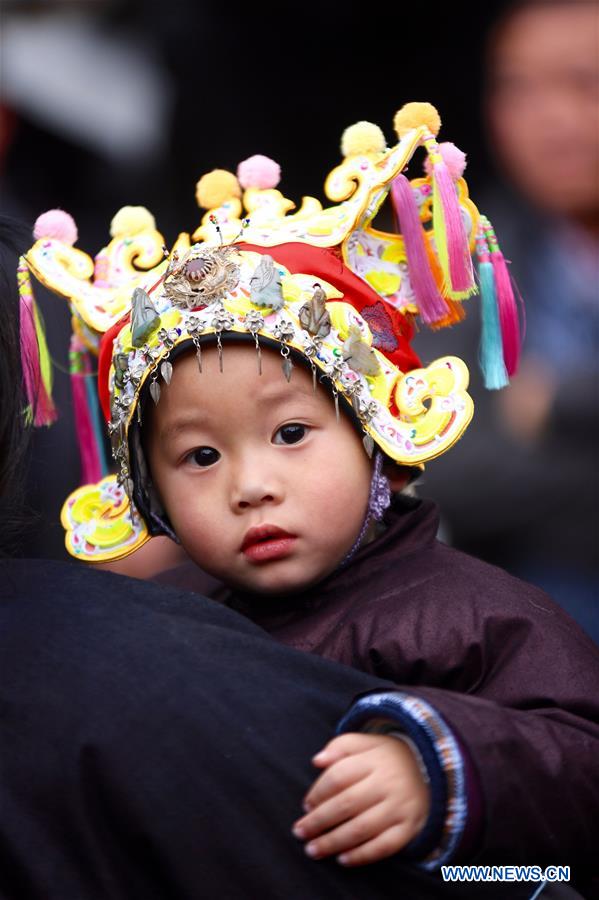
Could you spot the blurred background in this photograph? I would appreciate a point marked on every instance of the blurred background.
(111, 102)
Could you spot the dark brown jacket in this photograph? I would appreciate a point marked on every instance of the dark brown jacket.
(512, 674)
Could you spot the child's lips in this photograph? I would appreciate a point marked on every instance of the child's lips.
(266, 543)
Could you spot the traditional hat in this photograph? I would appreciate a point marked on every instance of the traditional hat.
(321, 285)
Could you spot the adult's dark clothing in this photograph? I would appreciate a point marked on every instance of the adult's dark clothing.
(154, 744)
(515, 678)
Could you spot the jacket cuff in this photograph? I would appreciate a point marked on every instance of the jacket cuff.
(442, 757)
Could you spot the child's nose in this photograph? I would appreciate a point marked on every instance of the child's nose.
(253, 487)
(254, 498)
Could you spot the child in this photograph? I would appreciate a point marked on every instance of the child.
(216, 389)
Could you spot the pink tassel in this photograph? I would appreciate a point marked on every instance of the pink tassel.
(101, 270)
(508, 309)
(450, 233)
(91, 466)
(431, 305)
(41, 409)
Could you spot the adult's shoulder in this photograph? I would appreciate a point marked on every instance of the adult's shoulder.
(38, 592)
(144, 731)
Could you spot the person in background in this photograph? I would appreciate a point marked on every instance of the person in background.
(530, 461)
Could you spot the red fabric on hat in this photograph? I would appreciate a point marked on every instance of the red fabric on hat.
(104, 361)
(326, 263)
(321, 262)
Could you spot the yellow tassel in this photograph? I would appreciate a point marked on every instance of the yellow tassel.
(44, 354)
(455, 310)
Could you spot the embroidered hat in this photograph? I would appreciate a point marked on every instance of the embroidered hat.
(321, 285)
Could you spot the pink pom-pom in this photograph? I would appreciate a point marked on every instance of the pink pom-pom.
(453, 157)
(57, 224)
(258, 172)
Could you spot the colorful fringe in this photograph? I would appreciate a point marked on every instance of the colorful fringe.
(508, 310)
(35, 360)
(431, 305)
(455, 308)
(87, 413)
(449, 230)
(491, 345)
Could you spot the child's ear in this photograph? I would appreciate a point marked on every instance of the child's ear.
(399, 476)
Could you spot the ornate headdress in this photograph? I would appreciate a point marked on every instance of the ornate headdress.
(320, 284)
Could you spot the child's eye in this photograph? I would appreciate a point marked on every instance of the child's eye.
(203, 456)
(290, 434)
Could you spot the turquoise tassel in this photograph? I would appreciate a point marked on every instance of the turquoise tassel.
(91, 389)
(491, 346)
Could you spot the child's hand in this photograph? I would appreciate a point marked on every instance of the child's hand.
(370, 801)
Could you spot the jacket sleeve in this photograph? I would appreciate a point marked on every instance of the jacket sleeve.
(517, 682)
(455, 800)
(539, 775)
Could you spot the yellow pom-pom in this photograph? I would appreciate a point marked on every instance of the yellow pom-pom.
(363, 137)
(132, 220)
(216, 188)
(414, 114)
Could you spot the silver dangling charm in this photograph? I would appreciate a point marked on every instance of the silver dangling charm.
(336, 400)
(287, 364)
(368, 444)
(259, 352)
(166, 370)
(313, 367)
(155, 391)
(219, 347)
(138, 411)
(198, 347)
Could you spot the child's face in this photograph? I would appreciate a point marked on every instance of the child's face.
(234, 452)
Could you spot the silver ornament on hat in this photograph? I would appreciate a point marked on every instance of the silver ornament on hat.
(254, 322)
(195, 327)
(144, 317)
(265, 285)
(314, 316)
(222, 321)
(312, 347)
(168, 338)
(155, 391)
(284, 331)
(358, 355)
(121, 367)
(203, 276)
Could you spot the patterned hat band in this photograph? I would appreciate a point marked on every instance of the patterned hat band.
(295, 312)
(145, 497)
